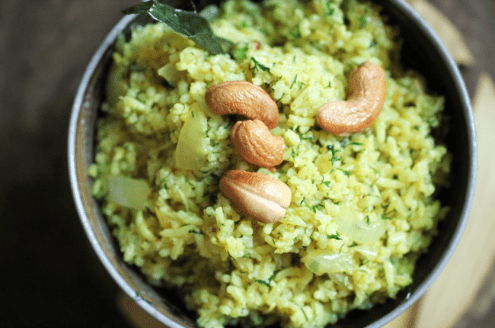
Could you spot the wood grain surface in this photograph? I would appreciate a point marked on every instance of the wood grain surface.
(52, 278)
(452, 294)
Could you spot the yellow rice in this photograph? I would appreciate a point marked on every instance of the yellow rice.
(234, 269)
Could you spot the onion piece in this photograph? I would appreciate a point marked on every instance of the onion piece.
(128, 192)
(190, 153)
(355, 226)
(322, 261)
(170, 73)
(369, 252)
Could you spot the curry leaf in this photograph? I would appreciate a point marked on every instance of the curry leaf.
(190, 24)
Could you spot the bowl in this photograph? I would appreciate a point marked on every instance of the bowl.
(423, 51)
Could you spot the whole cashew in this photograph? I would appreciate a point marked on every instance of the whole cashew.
(257, 195)
(243, 98)
(256, 144)
(367, 91)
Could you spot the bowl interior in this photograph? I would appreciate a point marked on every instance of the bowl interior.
(422, 51)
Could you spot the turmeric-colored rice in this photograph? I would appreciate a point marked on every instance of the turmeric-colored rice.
(366, 201)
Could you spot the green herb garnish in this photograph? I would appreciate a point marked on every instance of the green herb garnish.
(305, 316)
(346, 142)
(315, 208)
(336, 236)
(263, 282)
(190, 24)
(241, 52)
(330, 9)
(295, 78)
(388, 215)
(297, 33)
(363, 20)
(334, 154)
(310, 137)
(266, 282)
(257, 66)
(348, 173)
(303, 201)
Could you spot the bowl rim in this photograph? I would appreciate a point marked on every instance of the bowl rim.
(76, 192)
(410, 298)
(459, 83)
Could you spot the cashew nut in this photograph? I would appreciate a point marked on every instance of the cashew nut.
(367, 91)
(256, 144)
(243, 98)
(257, 195)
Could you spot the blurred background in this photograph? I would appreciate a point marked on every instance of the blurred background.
(50, 275)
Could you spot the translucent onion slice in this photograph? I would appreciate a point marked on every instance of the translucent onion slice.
(368, 251)
(354, 225)
(321, 261)
(170, 73)
(128, 192)
(190, 153)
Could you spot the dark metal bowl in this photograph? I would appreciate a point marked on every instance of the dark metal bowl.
(422, 51)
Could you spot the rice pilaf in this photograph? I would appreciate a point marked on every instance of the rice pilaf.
(363, 207)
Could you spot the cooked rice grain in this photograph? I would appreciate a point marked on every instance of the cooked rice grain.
(236, 269)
